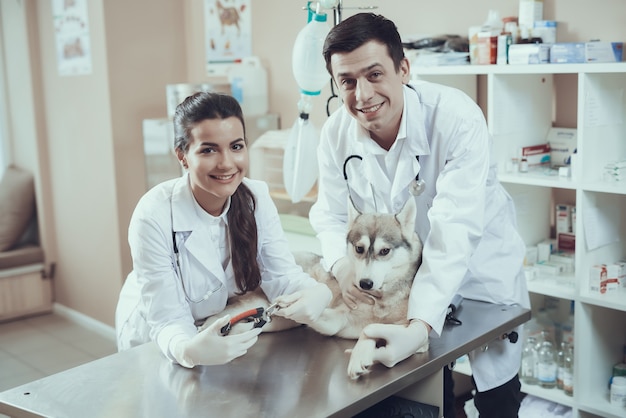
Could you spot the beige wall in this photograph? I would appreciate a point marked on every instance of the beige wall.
(82, 135)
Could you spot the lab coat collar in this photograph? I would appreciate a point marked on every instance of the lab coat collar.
(185, 218)
(185, 215)
(413, 122)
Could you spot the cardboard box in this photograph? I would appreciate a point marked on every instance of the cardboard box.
(529, 54)
(567, 53)
(603, 51)
(563, 144)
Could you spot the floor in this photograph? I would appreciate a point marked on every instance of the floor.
(39, 346)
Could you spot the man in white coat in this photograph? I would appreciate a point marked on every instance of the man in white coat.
(429, 143)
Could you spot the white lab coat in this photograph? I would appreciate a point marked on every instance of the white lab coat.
(465, 218)
(153, 303)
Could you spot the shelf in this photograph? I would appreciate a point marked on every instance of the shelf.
(540, 178)
(604, 187)
(562, 287)
(615, 300)
(615, 67)
(521, 103)
(554, 394)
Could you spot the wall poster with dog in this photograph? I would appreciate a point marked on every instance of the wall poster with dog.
(228, 30)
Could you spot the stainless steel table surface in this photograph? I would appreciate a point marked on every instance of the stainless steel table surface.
(294, 373)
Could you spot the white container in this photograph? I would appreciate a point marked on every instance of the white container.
(248, 82)
(618, 391)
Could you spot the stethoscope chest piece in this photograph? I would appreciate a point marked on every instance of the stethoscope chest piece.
(417, 187)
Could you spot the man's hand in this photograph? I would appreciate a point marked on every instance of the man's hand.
(401, 341)
(304, 306)
(350, 292)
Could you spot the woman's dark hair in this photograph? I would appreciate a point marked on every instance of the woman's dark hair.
(360, 29)
(241, 221)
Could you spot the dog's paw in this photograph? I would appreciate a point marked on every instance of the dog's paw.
(356, 369)
(361, 358)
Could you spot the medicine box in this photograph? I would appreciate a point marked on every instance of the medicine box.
(563, 218)
(567, 53)
(562, 143)
(603, 51)
(537, 154)
(529, 54)
(597, 274)
(566, 241)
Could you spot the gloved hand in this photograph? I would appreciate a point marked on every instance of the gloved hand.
(401, 341)
(350, 292)
(210, 347)
(304, 306)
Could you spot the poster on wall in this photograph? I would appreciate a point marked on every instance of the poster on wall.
(228, 30)
(71, 29)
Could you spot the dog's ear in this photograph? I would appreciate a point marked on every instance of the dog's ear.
(353, 212)
(406, 216)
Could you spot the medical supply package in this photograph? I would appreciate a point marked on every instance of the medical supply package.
(603, 51)
(567, 53)
(529, 54)
(562, 143)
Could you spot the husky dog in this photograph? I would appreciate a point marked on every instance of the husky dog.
(384, 253)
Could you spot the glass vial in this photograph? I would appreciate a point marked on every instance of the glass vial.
(560, 361)
(529, 362)
(546, 368)
(568, 371)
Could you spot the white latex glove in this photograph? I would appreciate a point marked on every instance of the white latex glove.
(304, 306)
(350, 292)
(210, 347)
(401, 341)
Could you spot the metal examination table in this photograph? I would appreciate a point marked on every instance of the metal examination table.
(294, 373)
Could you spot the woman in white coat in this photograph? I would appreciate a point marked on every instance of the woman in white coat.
(200, 239)
(391, 142)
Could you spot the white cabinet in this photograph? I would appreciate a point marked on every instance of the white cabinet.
(521, 103)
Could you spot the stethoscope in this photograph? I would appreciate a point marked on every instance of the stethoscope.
(416, 187)
(179, 271)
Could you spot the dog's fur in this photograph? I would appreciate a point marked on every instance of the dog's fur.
(384, 253)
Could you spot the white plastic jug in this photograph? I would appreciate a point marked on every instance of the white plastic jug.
(248, 82)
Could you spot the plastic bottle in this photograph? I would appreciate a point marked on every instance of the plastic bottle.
(546, 369)
(308, 65)
(248, 81)
(568, 371)
(529, 362)
(618, 391)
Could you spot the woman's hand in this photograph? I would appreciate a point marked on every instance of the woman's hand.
(210, 347)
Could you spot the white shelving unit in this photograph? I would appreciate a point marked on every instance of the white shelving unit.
(520, 106)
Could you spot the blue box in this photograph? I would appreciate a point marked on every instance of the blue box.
(567, 53)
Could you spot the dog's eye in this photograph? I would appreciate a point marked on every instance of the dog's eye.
(384, 251)
(359, 249)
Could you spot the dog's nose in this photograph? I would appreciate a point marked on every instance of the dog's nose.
(366, 284)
